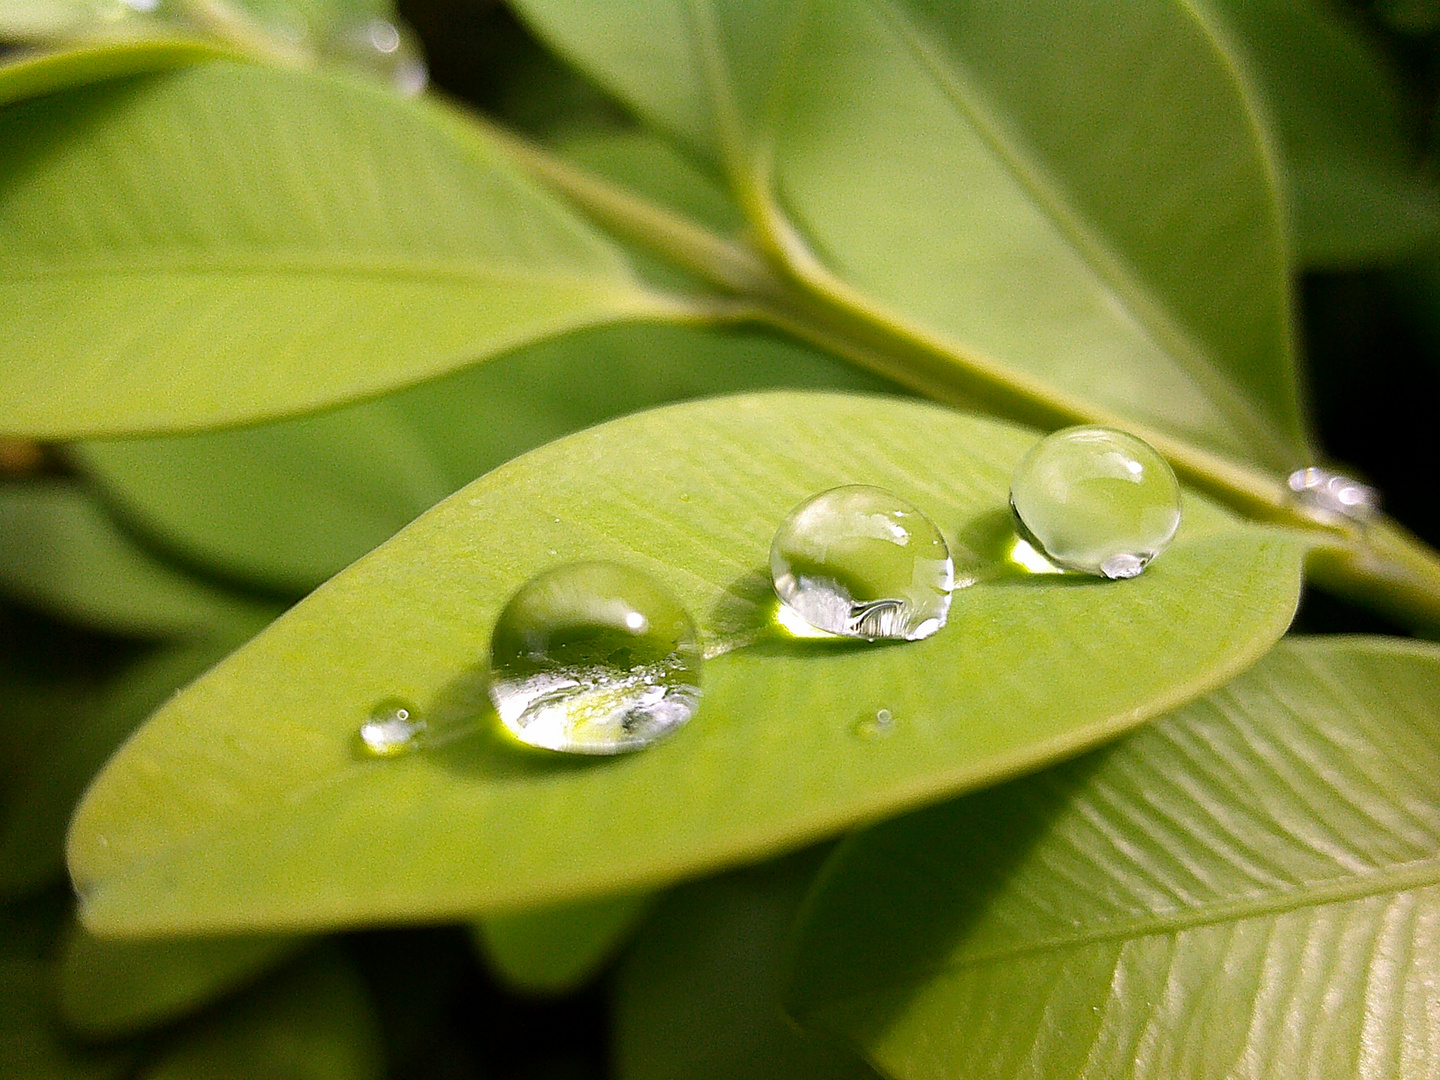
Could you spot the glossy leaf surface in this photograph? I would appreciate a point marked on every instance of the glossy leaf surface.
(1358, 191)
(289, 504)
(1008, 181)
(1248, 887)
(37, 74)
(312, 1022)
(698, 995)
(60, 550)
(305, 240)
(244, 803)
(554, 950)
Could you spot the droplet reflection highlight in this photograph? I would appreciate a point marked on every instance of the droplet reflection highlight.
(1096, 500)
(862, 562)
(594, 658)
(393, 729)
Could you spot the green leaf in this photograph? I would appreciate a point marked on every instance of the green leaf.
(1006, 183)
(1248, 887)
(180, 259)
(34, 75)
(285, 505)
(110, 988)
(244, 804)
(63, 553)
(49, 774)
(31, 1042)
(289, 504)
(1359, 193)
(314, 1022)
(698, 997)
(555, 950)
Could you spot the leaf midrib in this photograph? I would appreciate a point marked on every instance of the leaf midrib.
(1108, 267)
(1396, 878)
(317, 264)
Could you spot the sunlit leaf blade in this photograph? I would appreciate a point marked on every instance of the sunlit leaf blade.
(698, 995)
(36, 74)
(554, 950)
(1012, 181)
(1357, 188)
(32, 1044)
(245, 804)
(313, 1022)
(60, 550)
(47, 778)
(1249, 887)
(289, 504)
(109, 988)
(226, 243)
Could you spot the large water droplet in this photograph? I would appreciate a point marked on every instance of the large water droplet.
(879, 725)
(862, 562)
(393, 729)
(594, 658)
(1096, 500)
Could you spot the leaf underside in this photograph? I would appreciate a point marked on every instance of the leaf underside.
(1249, 887)
(244, 804)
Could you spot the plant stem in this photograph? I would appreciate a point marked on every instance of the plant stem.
(788, 288)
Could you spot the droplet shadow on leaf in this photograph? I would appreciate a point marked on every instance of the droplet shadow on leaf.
(748, 615)
(985, 555)
(466, 735)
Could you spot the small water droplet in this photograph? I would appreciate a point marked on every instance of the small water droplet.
(862, 562)
(393, 729)
(594, 658)
(1333, 497)
(1096, 500)
(875, 727)
(386, 49)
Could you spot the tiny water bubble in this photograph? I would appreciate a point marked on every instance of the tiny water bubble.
(1096, 500)
(862, 562)
(594, 658)
(393, 729)
(879, 725)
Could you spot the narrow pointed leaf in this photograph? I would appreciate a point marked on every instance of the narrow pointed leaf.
(1009, 181)
(225, 243)
(244, 803)
(290, 503)
(1358, 190)
(555, 950)
(1248, 887)
(698, 996)
(313, 1022)
(109, 988)
(60, 550)
(63, 754)
(32, 1043)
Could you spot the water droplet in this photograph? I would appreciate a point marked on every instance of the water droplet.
(875, 727)
(393, 729)
(594, 658)
(862, 562)
(1096, 500)
(1332, 497)
(384, 48)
